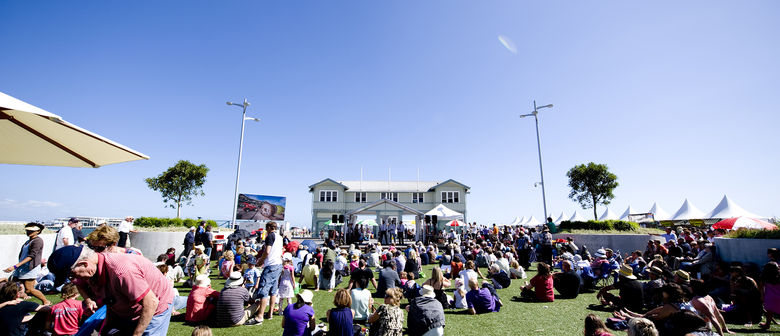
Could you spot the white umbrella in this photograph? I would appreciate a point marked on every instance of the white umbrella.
(367, 222)
(32, 136)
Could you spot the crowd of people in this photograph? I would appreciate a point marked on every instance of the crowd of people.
(676, 286)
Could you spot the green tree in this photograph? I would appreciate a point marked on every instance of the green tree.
(591, 185)
(179, 184)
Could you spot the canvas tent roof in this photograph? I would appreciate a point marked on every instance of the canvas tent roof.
(728, 209)
(608, 215)
(562, 217)
(532, 222)
(630, 210)
(659, 214)
(517, 221)
(577, 218)
(687, 211)
(444, 213)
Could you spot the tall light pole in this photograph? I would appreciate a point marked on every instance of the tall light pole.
(244, 118)
(535, 113)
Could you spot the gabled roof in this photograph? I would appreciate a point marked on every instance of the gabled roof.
(385, 201)
(447, 181)
(391, 186)
(311, 187)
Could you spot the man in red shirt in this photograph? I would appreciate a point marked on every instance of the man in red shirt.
(202, 300)
(137, 294)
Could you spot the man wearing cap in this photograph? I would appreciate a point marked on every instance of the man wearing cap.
(29, 266)
(139, 297)
(202, 300)
(124, 228)
(651, 290)
(189, 242)
(272, 270)
(65, 235)
(426, 315)
(630, 295)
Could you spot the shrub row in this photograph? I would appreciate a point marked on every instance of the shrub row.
(754, 234)
(606, 225)
(169, 222)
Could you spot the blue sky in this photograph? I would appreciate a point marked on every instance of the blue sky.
(679, 99)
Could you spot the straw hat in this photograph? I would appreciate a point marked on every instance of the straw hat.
(626, 271)
(655, 270)
(199, 247)
(600, 253)
(306, 295)
(683, 275)
(202, 280)
(427, 291)
(235, 280)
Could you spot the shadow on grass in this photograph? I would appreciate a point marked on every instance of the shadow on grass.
(456, 312)
(600, 308)
(746, 330)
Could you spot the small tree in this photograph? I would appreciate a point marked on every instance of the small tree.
(179, 184)
(591, 185)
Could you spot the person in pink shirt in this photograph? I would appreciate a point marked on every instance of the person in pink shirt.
(227, 264)
(202, 300)
(66, 315)
(138, 296)
(353, 264)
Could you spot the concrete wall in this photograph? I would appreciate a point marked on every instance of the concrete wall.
(745, 250)
(624, 243)
(11, 245)
(153, 244)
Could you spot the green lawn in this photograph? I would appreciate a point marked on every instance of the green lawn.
(562, 317)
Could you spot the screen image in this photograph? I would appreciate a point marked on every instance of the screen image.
(260, 207)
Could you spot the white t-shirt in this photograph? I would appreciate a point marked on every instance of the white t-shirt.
(467, 274)
(125, 227)
(277, 248)
(65, 232)
(360, 300)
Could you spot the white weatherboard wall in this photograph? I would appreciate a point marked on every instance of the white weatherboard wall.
(11, 245)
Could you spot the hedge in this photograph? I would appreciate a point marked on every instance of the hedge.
(606, 225)
(169, 222)
(754, 234)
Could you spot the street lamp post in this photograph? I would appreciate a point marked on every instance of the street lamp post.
(535, 114)
(244, 118)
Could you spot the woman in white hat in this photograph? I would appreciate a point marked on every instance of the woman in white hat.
(29, 265)
(298, 318)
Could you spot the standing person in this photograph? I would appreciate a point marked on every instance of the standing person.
(400, 230)
(189, 242)
(206, 240)
(272, 270)
(547, 248)
(125, 227)
(65, 234)
(29, 265)
(382, 232)
(139, 297)
(78, 236)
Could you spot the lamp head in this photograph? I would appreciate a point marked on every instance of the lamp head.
(229, 103)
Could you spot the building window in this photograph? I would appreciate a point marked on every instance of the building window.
(417, 197)
(390, 196)
(329, 196)
(360, 197)
(450, 196)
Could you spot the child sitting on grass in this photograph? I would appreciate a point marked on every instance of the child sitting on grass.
(66, 315)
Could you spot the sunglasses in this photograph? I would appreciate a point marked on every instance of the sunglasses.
(97, 249)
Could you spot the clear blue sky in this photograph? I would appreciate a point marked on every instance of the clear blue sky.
(679, 99)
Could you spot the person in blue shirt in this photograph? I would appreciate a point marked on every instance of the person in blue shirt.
(251, 276)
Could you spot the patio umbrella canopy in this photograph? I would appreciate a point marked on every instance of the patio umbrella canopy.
(32, 136)
(744, 223)
(455, 223)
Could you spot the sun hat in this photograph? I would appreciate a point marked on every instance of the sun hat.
(33, 227)
(427, 291)
(600, 253)
(287, 256)
(354, 257)
(683, 275)
(655, 270)
(235, 279)
(202, 280)
(159, 263)
(626, 271)
(192, 228)
(199, 247)
(306, 295)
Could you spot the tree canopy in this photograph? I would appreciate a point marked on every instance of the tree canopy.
(179, 184)
(591, 185)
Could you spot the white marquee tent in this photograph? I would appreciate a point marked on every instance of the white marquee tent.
(608, 214)
(659, 214)
(630, 210)
(531, 222)
(444, 213)
(517, 221)
(687, 211)
(577, 218)
(728, 209)
(562, 217)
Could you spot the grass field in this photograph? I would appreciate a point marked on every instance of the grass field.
(562, 317)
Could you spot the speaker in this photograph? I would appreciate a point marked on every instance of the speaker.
(341, 218)
(435, 219)
(427, 219)
(334, 219)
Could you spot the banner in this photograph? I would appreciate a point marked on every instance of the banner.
(260, 207)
